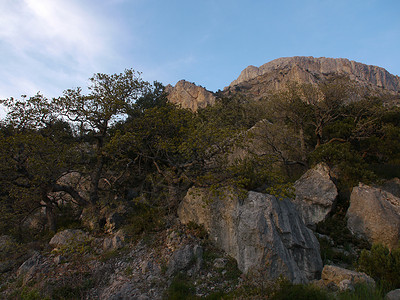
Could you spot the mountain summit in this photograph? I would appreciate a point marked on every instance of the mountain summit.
(274, 75)
(258, 82)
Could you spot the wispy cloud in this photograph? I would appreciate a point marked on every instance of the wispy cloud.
(49, 41)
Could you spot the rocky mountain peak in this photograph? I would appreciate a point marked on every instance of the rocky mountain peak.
(275, 74)
(189, 95)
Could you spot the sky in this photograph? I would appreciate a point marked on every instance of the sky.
(49, 46)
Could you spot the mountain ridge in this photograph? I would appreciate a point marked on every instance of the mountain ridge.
(342, 66)
(258, 82)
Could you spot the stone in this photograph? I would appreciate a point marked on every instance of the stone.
(30, 268)
(374, 214)
(345, 285)
(220, 262)
(188, 95)
(315, 194)
(337, 275)
(59, 259)
(114, 242)
(184, 258)
(392, 186)
(393, 295)
(259, 231)
(274, 75)
(68, 236)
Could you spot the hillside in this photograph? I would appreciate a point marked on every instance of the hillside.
(266, 190)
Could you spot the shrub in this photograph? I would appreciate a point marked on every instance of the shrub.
(382, 264)
(289, 291)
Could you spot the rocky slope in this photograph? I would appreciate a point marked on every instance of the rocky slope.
(274, 75)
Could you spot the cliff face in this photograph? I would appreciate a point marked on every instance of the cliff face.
(189, 95)
(276, 74)
(257, 82)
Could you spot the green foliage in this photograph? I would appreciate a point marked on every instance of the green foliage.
(361, 292)
(76, 249)
(180, 289)
(382, 264)
(143, 219)
(27, 293)
(197, 230)
(289, 291)
(73, 287)
(352, 166)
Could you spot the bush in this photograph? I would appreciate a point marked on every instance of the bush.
(382, 265)
(180, 289)
(289, 291)
(361, 291)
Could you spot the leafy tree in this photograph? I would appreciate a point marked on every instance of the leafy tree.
(41, 147)
(111, 97)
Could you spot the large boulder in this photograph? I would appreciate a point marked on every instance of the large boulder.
(374, 214)
(68, 236)
(259, 231)
(315, 194)
(338, 276)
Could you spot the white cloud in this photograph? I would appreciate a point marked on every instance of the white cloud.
(46, 44)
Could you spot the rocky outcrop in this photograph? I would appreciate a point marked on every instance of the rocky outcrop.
(393, 295)
(259, 231)
(344, 279)
(374, 214)
(68, 236)
(315, 194)
(276, 74)
(188, 256)
(189, 95)
(392, 186)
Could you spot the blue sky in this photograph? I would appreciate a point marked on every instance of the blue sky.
(53, 45)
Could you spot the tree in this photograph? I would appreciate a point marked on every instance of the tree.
(41, 147)
(111, 98)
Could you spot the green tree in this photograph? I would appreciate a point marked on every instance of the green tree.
(111, 98)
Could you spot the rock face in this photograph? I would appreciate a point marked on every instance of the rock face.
(342, 277)
(375, 215)
(274, 75)
(260, 232)
(315, 194)
(393, 295)
(68, 236)
(184, 258)
(189, 95)
(392, 186)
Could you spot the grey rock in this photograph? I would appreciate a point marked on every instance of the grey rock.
(346, 285)
(315, 195)
(259, 231)
(30, 268)
(392, 186)
(59, 259)
(114, 242)
(220, 262)
(68, 236)
(374, 214)
(185, 258)
(393, 295)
